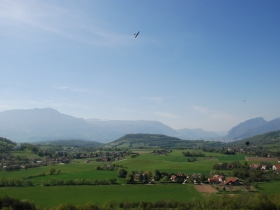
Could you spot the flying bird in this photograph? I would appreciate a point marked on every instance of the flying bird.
(244, 100)
(136, 34)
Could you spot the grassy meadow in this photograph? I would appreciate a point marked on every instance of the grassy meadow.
(270, 187)
(53, 196)
(173, 162)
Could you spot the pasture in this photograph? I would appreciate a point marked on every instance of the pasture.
(53, 196)
(270, 187)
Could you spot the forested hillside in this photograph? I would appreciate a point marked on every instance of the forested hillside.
(156, 140)
(6, 144)
(270, 138)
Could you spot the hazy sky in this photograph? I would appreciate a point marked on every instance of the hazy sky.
(192, 65)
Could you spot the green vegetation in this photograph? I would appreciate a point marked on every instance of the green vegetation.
(139, 176)
(268, 142)
(70, 142)
(53, 196)
(6, 145)
(157, 140)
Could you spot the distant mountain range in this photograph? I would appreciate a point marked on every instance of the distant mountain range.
(48, 124)
(253, 127)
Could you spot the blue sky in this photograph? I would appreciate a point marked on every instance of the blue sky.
(192, 65)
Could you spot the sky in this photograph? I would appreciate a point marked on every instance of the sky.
(195, 63)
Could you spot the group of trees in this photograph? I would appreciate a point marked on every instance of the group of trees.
(6, 145)
(249, 174)
(36, 150)
(109, 167)
(222, 150)
(193, 154)
(229, 166)
(257, 202)
(54, 171)
(61, 182)
(12, 182)
(136, 177)
(10, 203)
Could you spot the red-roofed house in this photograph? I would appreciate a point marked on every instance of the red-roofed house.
(216, 179)
(232, 181)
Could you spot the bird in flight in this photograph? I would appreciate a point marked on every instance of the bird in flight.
(244, 100)
(136, 34)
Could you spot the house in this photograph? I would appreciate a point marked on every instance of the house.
(173, 178)
(232, 181)
(254, 166)
(216, 179)
(264, 167)
(276, 167)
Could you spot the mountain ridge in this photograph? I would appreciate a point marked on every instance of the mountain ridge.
(252, 127)
(46, 124)
(33, 125)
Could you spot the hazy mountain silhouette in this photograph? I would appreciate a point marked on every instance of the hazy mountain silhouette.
(48, 124)
(253, 127)
(196, 134)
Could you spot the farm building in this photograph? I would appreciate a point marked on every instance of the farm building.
(276, 167)
(232, 181)
(217, 179)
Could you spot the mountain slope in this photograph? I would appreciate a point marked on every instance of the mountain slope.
(145, 140)
(253, 127)
(40, 124)
(270, 138)
(48, 124)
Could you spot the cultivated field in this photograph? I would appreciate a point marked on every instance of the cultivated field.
(205, 188)
(259, 159)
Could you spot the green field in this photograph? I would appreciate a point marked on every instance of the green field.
(53, 196)
(270, 187)
(173, 162)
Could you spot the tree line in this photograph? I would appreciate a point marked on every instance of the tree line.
(225, 202)
(219, 150)
(193, 154)
(61, 182)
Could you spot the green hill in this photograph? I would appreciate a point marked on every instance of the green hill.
(154, 140)
(267, 140)
(6, 144)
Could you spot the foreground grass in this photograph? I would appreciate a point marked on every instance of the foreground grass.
(53, 196)
(270, 187)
